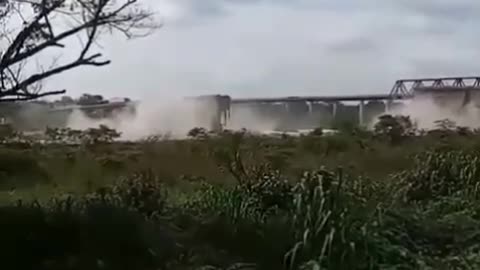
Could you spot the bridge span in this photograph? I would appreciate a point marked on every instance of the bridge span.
(375, 97)
(404, 89)
(333, 100)
(443, 87)
(311, 101)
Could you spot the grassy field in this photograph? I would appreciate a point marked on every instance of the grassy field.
(392, 198)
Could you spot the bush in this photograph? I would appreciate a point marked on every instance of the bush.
(424, 217)
(321, 218)
(395, 128)
(442, 173)
(19, 169)
(81, 234)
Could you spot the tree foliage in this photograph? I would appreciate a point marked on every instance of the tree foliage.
(31, 28)
(394, 127)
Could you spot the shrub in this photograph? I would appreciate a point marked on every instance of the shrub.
(321, 219)
(395, 128)
(442, 173)
(81, 234)
(198, 133)
(143, 192)
(18, 169)
(329, 222)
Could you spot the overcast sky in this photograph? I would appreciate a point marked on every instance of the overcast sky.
(252, 48)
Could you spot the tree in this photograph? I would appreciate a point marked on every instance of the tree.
(87, 99)
(394, 127)
(447, 127)
(30, 28)
(67, 100)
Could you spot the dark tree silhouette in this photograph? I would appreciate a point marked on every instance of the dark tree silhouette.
(30, 28)
(395, 127)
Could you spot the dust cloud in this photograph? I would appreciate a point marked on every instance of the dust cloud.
(244, 117)
(424, 111)
(174, 117)
(171, 118)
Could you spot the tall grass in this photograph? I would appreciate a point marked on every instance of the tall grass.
(245, 202)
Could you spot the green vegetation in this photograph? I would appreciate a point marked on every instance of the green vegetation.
(392, 198)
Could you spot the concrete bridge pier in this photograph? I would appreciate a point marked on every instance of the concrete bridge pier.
(225, 107)
(221, 115)
(334, 109)
(361, 110)
(225, 117)
(388, 105)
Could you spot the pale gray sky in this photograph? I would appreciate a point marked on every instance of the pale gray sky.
(248, 48)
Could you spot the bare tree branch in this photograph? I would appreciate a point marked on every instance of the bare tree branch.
(33, 97)
(40, 30)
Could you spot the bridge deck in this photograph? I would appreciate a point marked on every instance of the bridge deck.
(111, 105)
(319, 98)
(448, 88)
(338, 98)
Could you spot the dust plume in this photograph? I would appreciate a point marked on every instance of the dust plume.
(173, 117)
(424, 111)
(248, 118)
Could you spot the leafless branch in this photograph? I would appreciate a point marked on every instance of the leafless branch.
(39, 31)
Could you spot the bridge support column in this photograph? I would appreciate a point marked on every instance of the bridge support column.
(388, 106)
(225, 104)
(225, 117)
(221, 116)
(334, 109)
(361, 109)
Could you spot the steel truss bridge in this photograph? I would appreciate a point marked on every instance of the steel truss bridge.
(402, 90)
